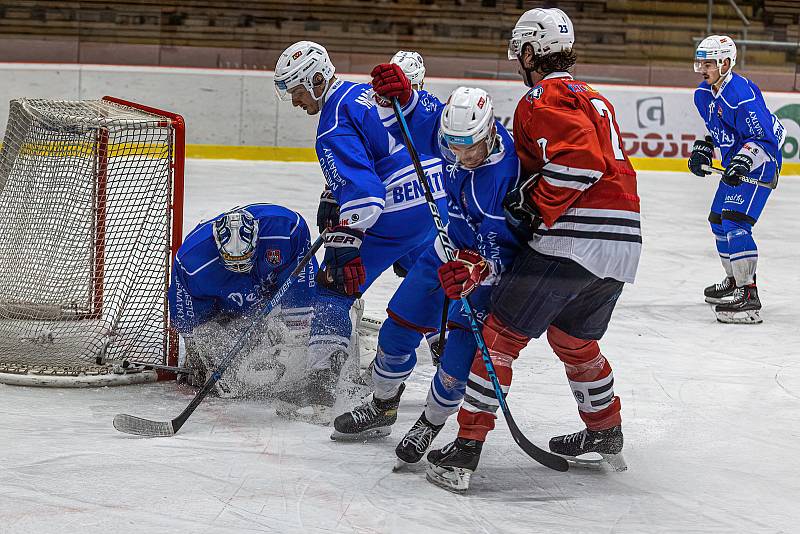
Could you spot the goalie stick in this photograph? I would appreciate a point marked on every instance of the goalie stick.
(545, 458)
(145, 427)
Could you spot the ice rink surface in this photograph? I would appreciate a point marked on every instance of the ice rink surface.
(710, 414)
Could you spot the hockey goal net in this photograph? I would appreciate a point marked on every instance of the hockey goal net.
(91, 196)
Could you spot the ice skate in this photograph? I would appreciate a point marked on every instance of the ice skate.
(451, 467)
(416, 441)
(721, 292)
(606, 443)
(745, 308)
(372, 419)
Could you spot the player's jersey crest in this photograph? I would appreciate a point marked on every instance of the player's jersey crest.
(274, 256)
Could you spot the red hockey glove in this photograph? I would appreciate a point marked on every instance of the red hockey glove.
(460, 276)
(389, 81)
(342, 270)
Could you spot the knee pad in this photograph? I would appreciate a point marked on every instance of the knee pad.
(504, 343)
(578, 354)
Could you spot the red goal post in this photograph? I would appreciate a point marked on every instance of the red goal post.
(91, 203)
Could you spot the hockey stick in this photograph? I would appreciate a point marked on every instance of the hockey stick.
(746, 179)
(545, 458)
(438, 347)
(145, 427)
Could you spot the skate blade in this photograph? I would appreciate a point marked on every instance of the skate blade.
(616, 461)
(314, 414)
(454, 479)
(402, 465)
(742, 317)
(712, 300)
(373, 433)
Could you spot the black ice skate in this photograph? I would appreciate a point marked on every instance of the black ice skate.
(745, 308)
(311, 402)
(451, 467)
(416, 442)
(607, 443)
(372, 419)
(721, 292)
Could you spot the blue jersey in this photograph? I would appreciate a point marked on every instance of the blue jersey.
(739, 121)
(201, 286)
(370, 174)
(474, 196)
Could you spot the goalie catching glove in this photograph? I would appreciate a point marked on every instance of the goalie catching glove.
(389, 81)
(462, 275)
(521, 212)
(343, 271)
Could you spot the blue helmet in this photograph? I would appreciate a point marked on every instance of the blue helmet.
(236, 236)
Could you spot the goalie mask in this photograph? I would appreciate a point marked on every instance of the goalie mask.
(298, 65)
(236, 236)
(547, 31)
(715, 48)
(412, 65)
(466, 126)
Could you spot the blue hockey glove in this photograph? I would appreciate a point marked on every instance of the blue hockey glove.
(740, 165)
(342, 270)
(702, 154)
(327, 212)
(522, 215)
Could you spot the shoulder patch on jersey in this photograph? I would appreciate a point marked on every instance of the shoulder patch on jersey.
(535, 92)
(364, 99)
(580, 87)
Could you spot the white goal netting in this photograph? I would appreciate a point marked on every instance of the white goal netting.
(86, 193)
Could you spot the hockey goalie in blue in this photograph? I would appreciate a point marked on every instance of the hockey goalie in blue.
(227, 267)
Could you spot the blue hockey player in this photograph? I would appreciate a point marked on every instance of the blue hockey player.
(749, 138)
(228, 266)
(373, 205)
(482, 168)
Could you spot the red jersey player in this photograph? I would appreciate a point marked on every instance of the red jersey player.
(578, 210)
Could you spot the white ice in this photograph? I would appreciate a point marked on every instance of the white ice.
(710, 414)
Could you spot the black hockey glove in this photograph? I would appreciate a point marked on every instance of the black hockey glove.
(327, 212)
(522, 215)
(342, 271)
(740, 165)
(702, 153)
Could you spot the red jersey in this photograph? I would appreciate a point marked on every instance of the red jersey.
(567, 132)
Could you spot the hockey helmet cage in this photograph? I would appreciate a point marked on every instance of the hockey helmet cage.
(236, 236)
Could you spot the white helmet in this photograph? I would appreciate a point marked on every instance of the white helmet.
(547, 30)
(412, 65)
(467, 118)
(236, 236)
(715, 48)
(299, 64)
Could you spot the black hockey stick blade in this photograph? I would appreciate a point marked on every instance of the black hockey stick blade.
(137, 426)
(546, 458)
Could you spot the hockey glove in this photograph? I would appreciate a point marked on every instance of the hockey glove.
(522, 215)
(740, 165)
(389, 81)
(327, 212)
(702, 152)
(460, 276)
(343, 271)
